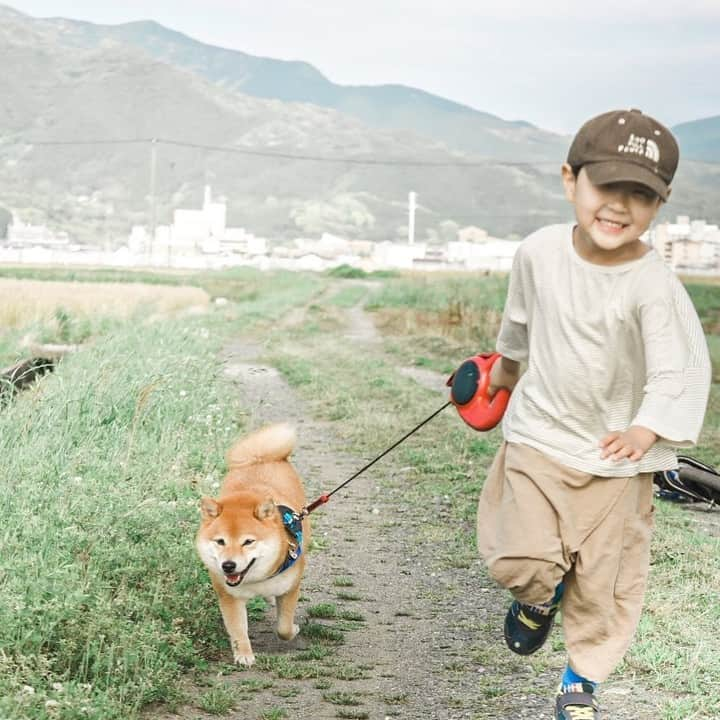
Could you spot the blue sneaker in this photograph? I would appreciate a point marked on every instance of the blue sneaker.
(527, 628)
(577, 704)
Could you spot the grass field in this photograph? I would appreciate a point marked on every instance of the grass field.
(101, 466)
(103, 604)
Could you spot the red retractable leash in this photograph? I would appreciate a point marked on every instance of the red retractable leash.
(469, 386)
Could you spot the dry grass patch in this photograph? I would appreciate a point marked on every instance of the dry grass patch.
(457, 322)
(27, 301)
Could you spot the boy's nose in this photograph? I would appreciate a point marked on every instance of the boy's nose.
(618, 199)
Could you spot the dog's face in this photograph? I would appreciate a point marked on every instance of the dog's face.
(240, 537)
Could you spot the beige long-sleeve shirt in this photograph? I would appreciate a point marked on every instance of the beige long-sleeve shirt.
(607, 347)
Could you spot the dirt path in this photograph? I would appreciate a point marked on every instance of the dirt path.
(402, 644)
(431, 641)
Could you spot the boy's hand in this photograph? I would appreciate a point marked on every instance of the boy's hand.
(631, 444)
(503, 374)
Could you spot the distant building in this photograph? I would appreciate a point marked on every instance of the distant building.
(472, 234)
(688, 246)
(241, 242)
(23, 235)
(197, 234)
(139, 240)
(400, 256)
(493, 254)
(194, 231)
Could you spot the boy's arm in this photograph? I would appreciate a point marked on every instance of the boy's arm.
(677, 380)
(512, 341)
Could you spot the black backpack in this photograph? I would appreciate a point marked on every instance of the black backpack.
(692, 481)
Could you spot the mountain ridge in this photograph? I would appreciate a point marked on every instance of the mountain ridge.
(65, 87)
(387, 106)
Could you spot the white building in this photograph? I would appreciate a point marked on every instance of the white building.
(491, 255)
(195, 231)
(197, 238)
(24, 235)
(688, 246)
(398, 256)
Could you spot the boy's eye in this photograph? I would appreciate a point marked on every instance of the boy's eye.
(645, 194)
(220, 541)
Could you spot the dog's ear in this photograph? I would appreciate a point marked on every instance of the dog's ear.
(209, 508)
(265, 509)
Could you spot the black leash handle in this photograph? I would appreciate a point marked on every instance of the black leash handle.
(326, 496)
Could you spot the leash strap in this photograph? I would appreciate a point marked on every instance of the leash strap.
(326, 496)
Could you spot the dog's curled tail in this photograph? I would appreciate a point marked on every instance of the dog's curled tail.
(273, 442)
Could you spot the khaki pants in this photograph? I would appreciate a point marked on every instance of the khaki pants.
(540, 522)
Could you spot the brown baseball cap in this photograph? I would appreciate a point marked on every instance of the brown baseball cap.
(626, 146)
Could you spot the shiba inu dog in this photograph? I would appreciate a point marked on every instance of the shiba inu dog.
(250, 537)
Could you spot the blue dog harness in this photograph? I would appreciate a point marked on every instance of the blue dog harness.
(293, 524)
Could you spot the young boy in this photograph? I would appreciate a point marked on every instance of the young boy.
(617, 375)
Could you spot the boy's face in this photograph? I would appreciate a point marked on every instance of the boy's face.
(611, 218)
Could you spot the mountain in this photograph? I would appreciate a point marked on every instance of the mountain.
(63, 90)
(699, 139)
(393, 107)
(64, 82)
(388, 107)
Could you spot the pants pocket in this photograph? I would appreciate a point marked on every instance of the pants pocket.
(635, 555)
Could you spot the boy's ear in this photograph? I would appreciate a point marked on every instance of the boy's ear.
(569, 180)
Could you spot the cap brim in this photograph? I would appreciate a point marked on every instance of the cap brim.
(612, 171)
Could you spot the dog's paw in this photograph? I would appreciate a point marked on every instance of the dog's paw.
(288, 633)
(244, 660)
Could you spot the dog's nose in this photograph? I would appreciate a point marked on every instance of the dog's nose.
(229, 566)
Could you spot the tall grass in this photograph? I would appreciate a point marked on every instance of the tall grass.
(103, 602)
(101, 597)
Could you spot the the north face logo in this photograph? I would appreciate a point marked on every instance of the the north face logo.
(652, 151)
(641, 146)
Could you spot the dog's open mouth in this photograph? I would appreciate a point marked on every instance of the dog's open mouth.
(234, 580)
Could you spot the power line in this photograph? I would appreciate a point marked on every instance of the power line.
(401, 162)
(487, 162)
(137, 141)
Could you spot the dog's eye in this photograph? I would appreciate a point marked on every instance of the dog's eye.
(220, 541)
(249, 541)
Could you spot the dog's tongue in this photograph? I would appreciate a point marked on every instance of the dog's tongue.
(232, 578)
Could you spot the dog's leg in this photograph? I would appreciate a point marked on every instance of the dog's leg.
(286, 604)
(235, 617)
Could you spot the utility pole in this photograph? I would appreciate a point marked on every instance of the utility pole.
(153, 198)
(411, 217)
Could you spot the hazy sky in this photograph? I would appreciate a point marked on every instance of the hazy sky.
(552, 62)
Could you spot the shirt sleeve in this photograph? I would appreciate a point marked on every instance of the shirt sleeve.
(512, 341)
(678, 370)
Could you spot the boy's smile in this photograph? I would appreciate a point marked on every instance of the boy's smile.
(610, 218)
